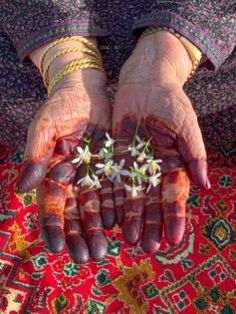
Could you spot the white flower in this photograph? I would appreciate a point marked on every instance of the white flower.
(83, 155)
(133, 151)
(109, 142)
(101, 153)
(118, 171)
(133, 190)
(90, 182)
(112, 170)
(140, 173)
(154, 165)
(96, 182)
(153, 181)
(142, 156)
(141, 143)
(105, 168)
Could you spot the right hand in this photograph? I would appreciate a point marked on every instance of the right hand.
(78, 108)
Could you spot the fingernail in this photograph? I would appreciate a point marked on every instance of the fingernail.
(98, 246)
(32, 175)
(208, 183)
(54, 237)
(198, 171)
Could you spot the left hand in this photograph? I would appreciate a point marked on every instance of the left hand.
(150, 94)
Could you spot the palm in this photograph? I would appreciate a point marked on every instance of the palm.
(58, 128)
(165, 116)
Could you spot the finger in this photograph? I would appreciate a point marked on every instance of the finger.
(175, 191)
(51, 197)
(89, 202)
(133, 211)
(192, 149)
(119, 196)
(75, 241)
(164, 141)
(66, 145)
(124, 133)
(39, 149)
(153, 222)
(107, 204)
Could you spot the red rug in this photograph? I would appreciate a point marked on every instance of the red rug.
(197, 276)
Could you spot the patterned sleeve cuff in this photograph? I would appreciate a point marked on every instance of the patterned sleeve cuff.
(47, 34)
(187, 29)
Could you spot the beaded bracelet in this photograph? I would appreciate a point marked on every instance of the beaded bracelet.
(194, 53)
(82, 63)
(65, 51)
(81, 39)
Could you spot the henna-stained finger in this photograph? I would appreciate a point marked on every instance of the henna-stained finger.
(133, 212)
(175, 191)
(107, 204)
(153, 221)
(38, 152)
(89, 203)
(119, 197)
(191, 147)
(75, 241)
(51, 197)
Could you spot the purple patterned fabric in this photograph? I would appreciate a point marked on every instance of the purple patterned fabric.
(26, 25)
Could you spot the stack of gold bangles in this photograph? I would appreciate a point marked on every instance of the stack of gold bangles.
(194, 53)
(80, 63)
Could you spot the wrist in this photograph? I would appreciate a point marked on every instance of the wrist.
(169, 55)
(36, 55)
(60, 62)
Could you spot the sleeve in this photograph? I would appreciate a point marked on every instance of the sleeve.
(209, 25)
(31, 24)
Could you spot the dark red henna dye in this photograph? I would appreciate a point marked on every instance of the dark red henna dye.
(153, 222)
(52, 232)
(89, 201)
(64, 172)
(107, 204)
(131, 226)
(32, 175)
(198, 172)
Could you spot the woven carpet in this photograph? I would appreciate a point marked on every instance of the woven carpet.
(197, 276)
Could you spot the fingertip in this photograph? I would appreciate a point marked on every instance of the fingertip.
(32, 175)
(198, 171)
(150, 246)
(78, 249)
(174, 231)
(108, 220)
(151, 239)
(54, 238)
(131, 232)
(97, 246)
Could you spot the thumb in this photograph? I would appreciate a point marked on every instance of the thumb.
(192, 149)
(39, 149)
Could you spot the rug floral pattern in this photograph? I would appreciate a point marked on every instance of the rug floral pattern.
(197, 276)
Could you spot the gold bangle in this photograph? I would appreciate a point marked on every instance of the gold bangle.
(65, 51)
(82, 63)
(81, 39)
(194, 53)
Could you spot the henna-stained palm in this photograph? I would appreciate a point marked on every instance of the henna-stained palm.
(68, 214)
(165, 115)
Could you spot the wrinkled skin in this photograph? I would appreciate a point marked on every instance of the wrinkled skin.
(79, 108)
(150, 93)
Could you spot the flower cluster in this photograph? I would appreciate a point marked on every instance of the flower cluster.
(142, 175)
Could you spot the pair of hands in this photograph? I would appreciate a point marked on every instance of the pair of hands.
(149, 93)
